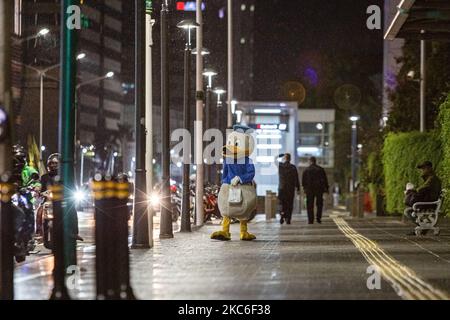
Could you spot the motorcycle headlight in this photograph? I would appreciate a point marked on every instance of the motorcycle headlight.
(155, 199)
(79, 196)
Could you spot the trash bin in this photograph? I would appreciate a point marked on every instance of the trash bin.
(270, 205)
(357, 204)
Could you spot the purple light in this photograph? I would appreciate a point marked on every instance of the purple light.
(191, 6)
(222, 13)
(312, 76)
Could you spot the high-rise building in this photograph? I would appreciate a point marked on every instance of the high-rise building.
(392, 51)
(34, 50)
(102, 116)
(244, 42)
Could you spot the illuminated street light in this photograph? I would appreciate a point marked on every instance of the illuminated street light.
(205, 52)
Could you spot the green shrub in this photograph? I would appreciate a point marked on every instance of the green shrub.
(444, 122)
(401, 154)
(374, 176)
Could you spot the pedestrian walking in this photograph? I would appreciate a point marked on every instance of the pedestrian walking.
(288, 183)
(315, 184)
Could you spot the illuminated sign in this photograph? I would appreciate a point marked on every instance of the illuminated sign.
(281, 126)
(188, 6)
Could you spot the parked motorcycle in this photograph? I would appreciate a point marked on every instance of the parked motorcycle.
(210, 202)
(23, 210)
(175, 201)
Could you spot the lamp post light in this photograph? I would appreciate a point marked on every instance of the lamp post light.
(187, 25)
(354, 120)
(219, 91)
(209, 74)
(41, 33)
(205, 51)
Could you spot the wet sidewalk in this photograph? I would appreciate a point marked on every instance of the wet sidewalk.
(297, 261)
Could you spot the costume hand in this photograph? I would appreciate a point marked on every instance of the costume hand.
(235, 181)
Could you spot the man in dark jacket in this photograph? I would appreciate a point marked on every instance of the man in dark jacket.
(288, 183)
(315, 184)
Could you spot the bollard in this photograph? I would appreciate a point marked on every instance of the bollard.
(111, 236)
(123, 256)
(98, 189)
(360, 201)
(6, 242)
(59, 291)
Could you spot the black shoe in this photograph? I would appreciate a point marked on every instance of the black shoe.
(319, 221)
(288, 222)
(310, 222)
(281, 220)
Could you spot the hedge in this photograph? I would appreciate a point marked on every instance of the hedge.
(401, 154)
(444, 122)
(375, 178)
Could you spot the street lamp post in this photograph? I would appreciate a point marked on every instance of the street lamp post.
(141, 237)
(65, 251)
(43, 73)
(230, 63)
(149, 111)
(6, 213)
(219, 113)
(166, 230)
(354, 120)
(423, 57)
(188, 25)
(200, 99)
(209, 73)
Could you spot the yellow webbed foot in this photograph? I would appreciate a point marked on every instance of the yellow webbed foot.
(247, 236)
(221, 235)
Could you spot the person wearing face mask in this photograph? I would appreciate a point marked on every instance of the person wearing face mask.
(52, 166)
(288, 183)
(46, 181)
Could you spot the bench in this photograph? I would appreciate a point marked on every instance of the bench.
(426, 217)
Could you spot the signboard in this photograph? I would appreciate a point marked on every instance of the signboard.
(189, 6)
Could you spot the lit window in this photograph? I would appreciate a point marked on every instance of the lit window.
(242, 40)
(252, 7)
(243, 7)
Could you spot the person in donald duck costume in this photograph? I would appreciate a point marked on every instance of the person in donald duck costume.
(237, 196)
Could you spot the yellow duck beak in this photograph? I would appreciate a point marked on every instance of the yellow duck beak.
(234, 152)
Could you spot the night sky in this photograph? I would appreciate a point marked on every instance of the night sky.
(294, 36)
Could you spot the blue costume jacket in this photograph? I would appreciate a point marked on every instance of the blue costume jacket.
(244, 170)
